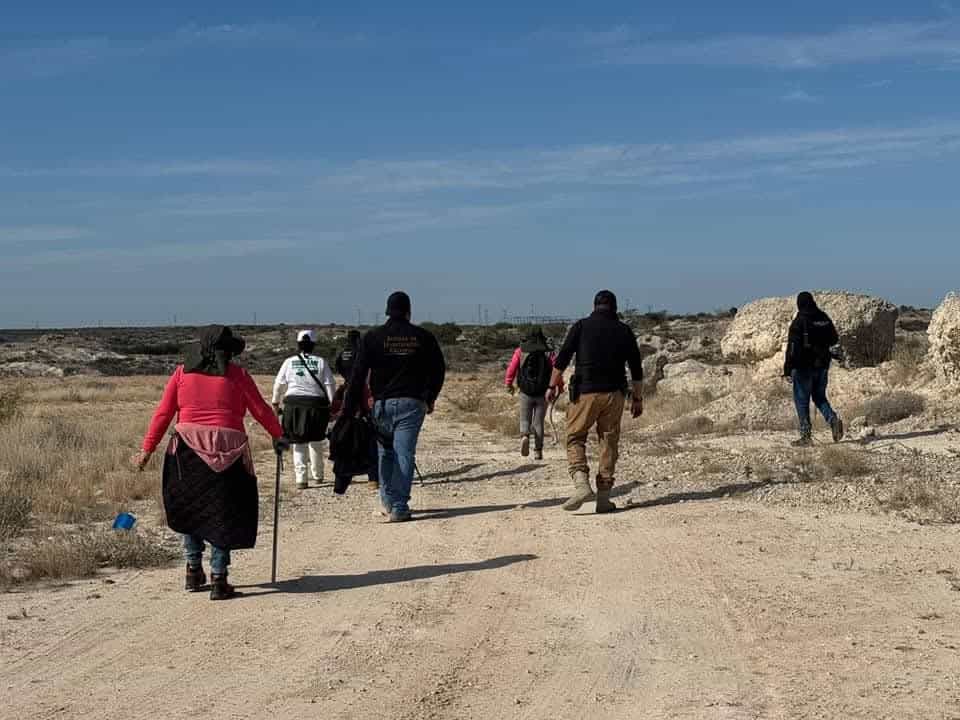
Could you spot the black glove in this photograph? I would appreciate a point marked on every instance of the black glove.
(280, 445)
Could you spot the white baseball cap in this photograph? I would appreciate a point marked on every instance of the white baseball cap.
(306, 335)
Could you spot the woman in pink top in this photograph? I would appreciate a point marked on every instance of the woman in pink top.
(530, 367)
(209, 484)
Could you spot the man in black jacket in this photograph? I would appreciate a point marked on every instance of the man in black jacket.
(406, 372)
(812, 335)
(603, 346)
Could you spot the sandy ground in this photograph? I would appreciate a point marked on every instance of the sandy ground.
(496, 604)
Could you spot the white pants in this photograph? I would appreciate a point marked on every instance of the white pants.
(308, 454)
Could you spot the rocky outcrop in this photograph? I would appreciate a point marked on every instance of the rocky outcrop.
(867, 327)
(944, 336)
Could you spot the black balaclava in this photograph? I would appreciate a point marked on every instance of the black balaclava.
(535, 341)
(806, 303)
(211, 354)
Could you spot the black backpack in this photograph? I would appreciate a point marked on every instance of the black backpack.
(534, 377)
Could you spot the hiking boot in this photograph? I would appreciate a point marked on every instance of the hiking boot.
(538, 454)
(836, 426)
(582, 492)
(196, 578)
(805, 440)
(400, 516)
(603, 501)
(220, 589)
(525, 446)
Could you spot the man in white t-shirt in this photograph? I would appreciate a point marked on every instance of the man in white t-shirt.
(305, 385)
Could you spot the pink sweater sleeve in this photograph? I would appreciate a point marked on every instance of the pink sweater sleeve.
(513, 368)
(164, 413)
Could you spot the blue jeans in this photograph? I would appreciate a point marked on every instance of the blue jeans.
(193, 547)
(811, 385)
(400, 419)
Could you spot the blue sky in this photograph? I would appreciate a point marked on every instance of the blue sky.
(301, 161)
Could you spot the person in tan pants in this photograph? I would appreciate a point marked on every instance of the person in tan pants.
(603, 346)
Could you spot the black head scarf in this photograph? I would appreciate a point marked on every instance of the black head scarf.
(806, 303)
(536, 341)
(211, 354)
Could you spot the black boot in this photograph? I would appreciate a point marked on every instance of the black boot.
(220, 589)
(604, 505)
(196, 578)
(836, 427)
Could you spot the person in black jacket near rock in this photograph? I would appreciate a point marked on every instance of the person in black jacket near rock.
(604, 346)
(406, 372)
(812, 335)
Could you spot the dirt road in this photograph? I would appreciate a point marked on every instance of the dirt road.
(496, 604)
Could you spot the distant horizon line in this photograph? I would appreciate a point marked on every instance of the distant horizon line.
(511, 320)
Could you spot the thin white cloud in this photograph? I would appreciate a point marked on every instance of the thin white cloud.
(36, 235)
(225, 167)
(154, 252)
(801, 97)
(652, 165)
(920, 41)
(72, 54)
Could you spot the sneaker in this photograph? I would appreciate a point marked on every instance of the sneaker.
(538, 454)
(803, 441)
(837, 428)
(404, 516)
(525, 446)
(302, 485)
(196, 579)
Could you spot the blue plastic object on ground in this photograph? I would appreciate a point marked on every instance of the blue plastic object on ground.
(124, 521)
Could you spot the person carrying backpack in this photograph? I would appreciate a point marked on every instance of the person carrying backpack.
(306, 387)
(807, 365)
(530, 367)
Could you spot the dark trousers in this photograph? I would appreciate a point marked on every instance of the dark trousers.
(811, 384)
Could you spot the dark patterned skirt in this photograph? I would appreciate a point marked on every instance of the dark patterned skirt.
(221, 507)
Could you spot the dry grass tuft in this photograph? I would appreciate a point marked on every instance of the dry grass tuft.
(842, 461)
(688, 425)
(82, 555)
(666, 407)
(805, 468)
(907, 364)
(15, 509)
(470, 398)
(891, 407)
(931, 497)
(11, 403)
